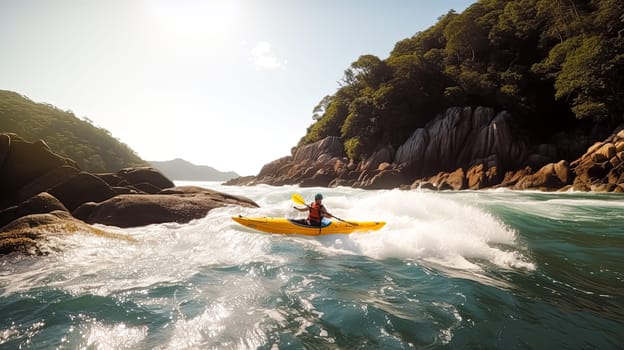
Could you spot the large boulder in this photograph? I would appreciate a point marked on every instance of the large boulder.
(112, 179)
(38, 204)
(331, 146)
(82, 188)
(512, 177)
(22, 163)
(601, 168)
(483, 175)
(275, 167)
(29, 234)
(552, 176)
(5, 144)
(455, 181)
(179, 204)
(321, 178)
(315, 164)
(133, 176)
(386, 179)
(47, 181)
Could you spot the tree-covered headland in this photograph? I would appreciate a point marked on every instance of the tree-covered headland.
(92, 147)
(555, 65)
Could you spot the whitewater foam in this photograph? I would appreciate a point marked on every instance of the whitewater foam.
(421, 226)
(427, 226)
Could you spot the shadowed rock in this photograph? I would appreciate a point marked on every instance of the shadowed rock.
(460, 138)
(149, 175)
(179, 204)
(386, 179)
(46, 181)
(24, 162)
(82, 188)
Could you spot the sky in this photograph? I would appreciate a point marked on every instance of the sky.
(228, 84)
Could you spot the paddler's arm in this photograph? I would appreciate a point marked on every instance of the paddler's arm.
(325, 213)
(301, 209)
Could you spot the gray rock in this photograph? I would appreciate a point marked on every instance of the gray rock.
(331, 146)
(179, 204)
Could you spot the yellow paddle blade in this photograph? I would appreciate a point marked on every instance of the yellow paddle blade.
(298, 199)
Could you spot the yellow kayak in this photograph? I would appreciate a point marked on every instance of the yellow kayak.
(293, 226)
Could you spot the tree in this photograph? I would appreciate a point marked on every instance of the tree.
(464, 38)
(321, 107)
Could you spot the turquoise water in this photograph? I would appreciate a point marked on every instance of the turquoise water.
(492, 270)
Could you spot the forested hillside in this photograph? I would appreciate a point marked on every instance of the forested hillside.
(556, 65)
(93, 148)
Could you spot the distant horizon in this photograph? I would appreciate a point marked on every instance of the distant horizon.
(183, 170)
(197, 165)
(231, 84)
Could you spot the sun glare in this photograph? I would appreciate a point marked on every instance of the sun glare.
(195, 18)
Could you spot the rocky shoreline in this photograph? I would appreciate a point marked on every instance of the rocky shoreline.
(43, 194)
(462, 148)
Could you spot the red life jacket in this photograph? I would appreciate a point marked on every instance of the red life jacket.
(316, 211)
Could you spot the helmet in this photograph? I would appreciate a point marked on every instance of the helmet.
(318, 196)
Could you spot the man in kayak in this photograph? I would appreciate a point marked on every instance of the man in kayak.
(317, 211)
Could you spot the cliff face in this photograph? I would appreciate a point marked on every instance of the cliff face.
(460, 138)
(462, 148)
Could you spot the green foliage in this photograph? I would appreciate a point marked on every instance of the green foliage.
(353, 148)
(545, 61)
(581, 76)
(93, 148)
(329, 123)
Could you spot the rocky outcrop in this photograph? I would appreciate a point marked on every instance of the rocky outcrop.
(136, 176)
(480, 142)
(550, 177)
(25, 163)
(38, 204)
(461, 138)
(39, 187)
(316, 164)
(31, 233)
(328, 147)
(81, 188)
(52, 178)
(462, 148)
(29, 168)
(601, 168)
(175, 205)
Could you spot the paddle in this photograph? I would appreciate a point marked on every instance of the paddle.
(299, 200)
